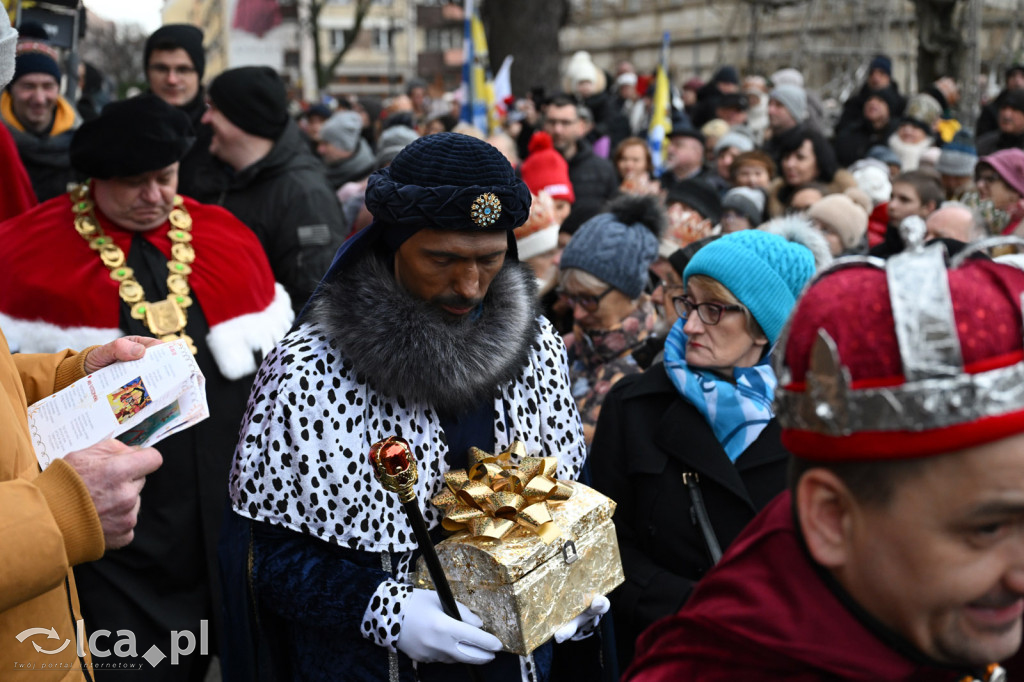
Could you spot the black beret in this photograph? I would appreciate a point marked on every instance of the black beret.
(253, 98)
(698, 195)
(130, 137)
(448, 181)
(172, 36)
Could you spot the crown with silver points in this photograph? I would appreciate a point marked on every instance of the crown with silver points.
(937, 391)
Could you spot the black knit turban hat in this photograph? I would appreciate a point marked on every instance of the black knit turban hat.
(446, 181)
(130, 137)
(253, 98)
(173, 36)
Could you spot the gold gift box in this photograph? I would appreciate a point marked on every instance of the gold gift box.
(524, 589)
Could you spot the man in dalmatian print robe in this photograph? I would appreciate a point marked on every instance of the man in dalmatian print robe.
(425, 327)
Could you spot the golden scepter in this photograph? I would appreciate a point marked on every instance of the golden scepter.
(395, 468)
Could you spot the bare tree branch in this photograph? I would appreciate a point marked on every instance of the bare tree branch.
(116, 50)
(325, 72)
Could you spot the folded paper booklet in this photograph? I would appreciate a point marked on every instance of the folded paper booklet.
(139, 403)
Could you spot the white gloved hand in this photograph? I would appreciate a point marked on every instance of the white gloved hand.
(429, 635)
(583, 625)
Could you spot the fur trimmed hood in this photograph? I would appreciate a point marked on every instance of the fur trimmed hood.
(395, 332)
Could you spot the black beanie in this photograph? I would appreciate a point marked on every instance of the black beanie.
(253, 98)
(130, 137)
(173, 36)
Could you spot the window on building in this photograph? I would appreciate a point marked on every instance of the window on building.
(337, 39)
(441, 39)
(380, 39)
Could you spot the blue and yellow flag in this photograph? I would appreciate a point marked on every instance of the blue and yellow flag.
(478, 107)
(661, 119)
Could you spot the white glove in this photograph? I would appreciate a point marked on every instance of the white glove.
(583, 625)
(429, 635)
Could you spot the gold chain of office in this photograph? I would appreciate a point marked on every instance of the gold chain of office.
(165, 319)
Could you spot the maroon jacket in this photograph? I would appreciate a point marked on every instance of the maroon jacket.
(766, 613)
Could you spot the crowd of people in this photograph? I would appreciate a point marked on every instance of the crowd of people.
(780, 350)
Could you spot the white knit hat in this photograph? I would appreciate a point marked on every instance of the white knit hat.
(8, 41)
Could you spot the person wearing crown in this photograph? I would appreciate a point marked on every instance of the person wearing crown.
(426, 327)
(898, 551)
(123, 253)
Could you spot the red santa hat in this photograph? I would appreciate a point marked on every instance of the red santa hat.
(903, 359)
(545, 170)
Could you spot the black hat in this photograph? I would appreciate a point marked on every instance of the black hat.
(1013, 99)
(687, 131)
(726, 74)
(698, 195)
(733, 100)
(446, 181)
(174, 36)
(891, 99)
(133, 136)
(882, 63)
(253, 98)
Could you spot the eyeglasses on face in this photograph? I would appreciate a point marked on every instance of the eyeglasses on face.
(709, 313)
(164, 70)
(588, 302)
(988, 178)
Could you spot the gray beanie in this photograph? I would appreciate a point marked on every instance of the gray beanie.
(958, 157)
(793, 98)
(8, 41)
(393, 140)
(747, 201)
(342, 130)
(619, 246)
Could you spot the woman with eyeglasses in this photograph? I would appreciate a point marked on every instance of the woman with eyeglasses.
(1000, 178)
(690, 449)
(603, 279)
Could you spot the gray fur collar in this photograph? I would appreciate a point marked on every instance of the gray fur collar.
(404, 347)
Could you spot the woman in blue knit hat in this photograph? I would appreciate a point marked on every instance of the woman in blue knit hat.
(690, 449)
(604, 280)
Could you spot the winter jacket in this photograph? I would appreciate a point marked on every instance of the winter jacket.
(46, 157)
(285, 199)
(995, 140)
(853, 108)
(647, 437)
(852, 144)
(200, 175)
(49, 525)
(354, 168)
(768, 613)
(594, 182)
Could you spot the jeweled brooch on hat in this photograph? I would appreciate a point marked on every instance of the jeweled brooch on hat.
(486, 210)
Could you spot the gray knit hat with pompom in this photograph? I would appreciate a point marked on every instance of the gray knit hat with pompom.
(619, 245)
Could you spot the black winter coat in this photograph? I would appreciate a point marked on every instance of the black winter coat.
(647, 437)
(285, 199)
(200, 175)
(594, 182)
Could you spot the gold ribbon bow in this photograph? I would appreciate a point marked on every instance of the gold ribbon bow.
(494, 496)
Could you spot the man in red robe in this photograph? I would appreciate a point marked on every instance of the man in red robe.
(898, 552)
(123, 253)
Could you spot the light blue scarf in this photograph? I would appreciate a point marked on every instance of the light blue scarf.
(737, 412)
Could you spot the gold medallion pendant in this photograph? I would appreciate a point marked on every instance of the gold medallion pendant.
(165, 319)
